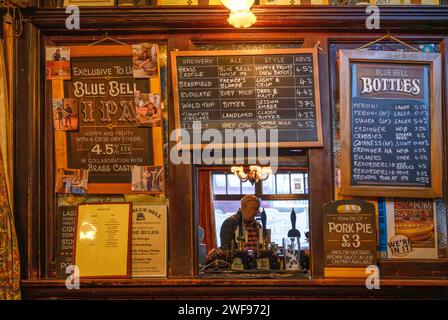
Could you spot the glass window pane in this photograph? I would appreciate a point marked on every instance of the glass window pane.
(219, 183)
(283, 184)
(223, 210)
(269, 185)
(297, 183)
(278, 215)
(233, 184)
(248, 188)
(306, 183)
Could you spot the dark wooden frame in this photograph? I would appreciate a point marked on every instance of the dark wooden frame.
(180, 29)
(434, 61)
(291, 144)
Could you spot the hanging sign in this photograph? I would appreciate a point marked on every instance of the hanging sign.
(249, 90)
(391, 123)
(109, 140)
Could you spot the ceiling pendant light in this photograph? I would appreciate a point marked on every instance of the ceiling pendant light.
(240, 14)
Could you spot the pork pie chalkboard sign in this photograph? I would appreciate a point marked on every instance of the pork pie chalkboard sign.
(248, 90)
(108, 141)
(391, 123)
(350, 238)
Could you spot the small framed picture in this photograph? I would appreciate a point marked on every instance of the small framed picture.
(145, 60)
(72, 181)
(148, 179)
(57, 63)
(65, 114)
(148, 109)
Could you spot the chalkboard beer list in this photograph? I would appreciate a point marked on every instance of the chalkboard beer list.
(242, 90)
(390, 116)
(108, 141)
(391, 123)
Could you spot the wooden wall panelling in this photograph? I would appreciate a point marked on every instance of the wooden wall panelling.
(28, 155)
(21, 159)
(444, 50)
(181, 209)
(178, 230)
(50, 135)
(37, 103)
(210, 19)
(398, 268)
(417, 269)
(319, 172)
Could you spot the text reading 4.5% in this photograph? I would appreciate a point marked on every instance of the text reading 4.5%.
(108, 149)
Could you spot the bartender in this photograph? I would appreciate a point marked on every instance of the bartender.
(230, 229)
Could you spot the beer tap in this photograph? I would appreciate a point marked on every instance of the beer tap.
(263, 223)
(240, 239)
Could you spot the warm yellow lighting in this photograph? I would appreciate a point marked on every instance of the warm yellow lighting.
(254, 175)
(242, 19)
(87, 231)
(238, 5)
(240, 14)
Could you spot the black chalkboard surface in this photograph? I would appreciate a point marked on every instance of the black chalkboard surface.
(106, 166)
(391, 124)
(249, 89)
(391, 131)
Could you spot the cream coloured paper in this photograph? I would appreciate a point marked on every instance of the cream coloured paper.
(149, 241)
(102, 239)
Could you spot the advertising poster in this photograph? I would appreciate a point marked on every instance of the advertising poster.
(149, 241)
(411, 229)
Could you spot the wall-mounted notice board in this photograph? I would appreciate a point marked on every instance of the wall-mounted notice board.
(108, 141)
(249, 89)
(391, 123)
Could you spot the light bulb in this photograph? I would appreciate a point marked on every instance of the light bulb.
(238, 5)
(242, 19)
(240, 14)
